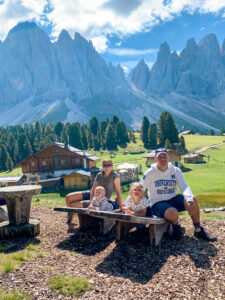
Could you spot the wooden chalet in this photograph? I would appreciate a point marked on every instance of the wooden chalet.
(57, 159)
(78, 180)
(188, 132)
(174, 157)
(193, 158)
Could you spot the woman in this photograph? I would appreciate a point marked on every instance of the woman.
(107, 178)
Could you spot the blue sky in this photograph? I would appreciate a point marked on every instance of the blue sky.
(123, 31)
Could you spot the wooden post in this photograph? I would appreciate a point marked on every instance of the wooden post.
(151, 233)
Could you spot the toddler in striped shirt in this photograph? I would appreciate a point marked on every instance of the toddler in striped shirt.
(100, 202)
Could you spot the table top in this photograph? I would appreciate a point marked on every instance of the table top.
(20, 190)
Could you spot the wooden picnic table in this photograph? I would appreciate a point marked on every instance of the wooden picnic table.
(157, 226)
(18, 201)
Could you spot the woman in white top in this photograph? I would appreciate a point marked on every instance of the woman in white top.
(136, 203)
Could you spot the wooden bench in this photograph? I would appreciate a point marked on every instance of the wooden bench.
(88, 217)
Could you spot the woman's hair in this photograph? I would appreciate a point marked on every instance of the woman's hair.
(135, 185)
(107, 161)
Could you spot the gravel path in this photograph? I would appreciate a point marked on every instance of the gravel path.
(131, 269)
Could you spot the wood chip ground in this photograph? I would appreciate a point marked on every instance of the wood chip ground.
(131, 269)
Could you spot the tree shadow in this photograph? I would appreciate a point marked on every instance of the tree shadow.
(139, 262)
(87, 242)
(185, 169)
(17, 244)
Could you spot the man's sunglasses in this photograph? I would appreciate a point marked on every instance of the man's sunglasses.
(109, 165)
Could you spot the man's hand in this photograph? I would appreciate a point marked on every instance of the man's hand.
(190, 206)
(91, 207)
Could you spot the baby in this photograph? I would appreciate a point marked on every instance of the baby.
(100, 202)
(136, 203)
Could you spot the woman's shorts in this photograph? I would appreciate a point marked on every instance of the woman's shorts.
(86, 195)
(159, 208)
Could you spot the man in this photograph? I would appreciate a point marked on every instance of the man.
(161, 180)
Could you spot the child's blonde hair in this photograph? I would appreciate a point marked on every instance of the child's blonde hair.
(100, 187)
(135, 185)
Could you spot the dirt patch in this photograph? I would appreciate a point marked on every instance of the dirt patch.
(131, 269)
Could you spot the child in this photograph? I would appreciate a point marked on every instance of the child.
(136, 203)
(100, 202)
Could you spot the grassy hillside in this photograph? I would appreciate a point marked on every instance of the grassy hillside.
(195, 142)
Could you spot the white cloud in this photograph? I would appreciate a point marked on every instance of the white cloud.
(130, 52)
(97, 19)
(202, 28)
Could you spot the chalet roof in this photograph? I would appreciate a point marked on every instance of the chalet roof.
(193, 155)
(79, 152)
(81, 172)
(188, 132)
(152, 153)
(10, 178)
(82, 153)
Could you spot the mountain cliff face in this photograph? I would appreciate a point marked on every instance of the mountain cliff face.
(198, 71)
(68, 81)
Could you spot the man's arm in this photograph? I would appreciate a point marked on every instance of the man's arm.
(184, 188)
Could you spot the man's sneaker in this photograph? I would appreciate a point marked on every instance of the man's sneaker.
(177, 232)
(69, 217)
(200, 233)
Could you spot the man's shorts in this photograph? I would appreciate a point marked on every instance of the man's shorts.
(159, 208)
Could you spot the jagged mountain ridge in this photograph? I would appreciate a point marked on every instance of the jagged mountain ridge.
(69, 81)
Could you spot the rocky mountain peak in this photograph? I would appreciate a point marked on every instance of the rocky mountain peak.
(140, 75)
(64, 36)
(210, 46)
(22, 28)
(190, 49)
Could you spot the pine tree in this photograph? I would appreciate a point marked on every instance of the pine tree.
(110, 140)
(5, 159)
(211, 132)
(144, 132)
(97, 144)
(115, 120)
(27, 150)
(38, 127)
(84, 137)
(93, 125)
(152, 136)
(58, 128)
(167, 144)
(167, 129)
(75, 136)
(90, 139)
(182, 143)
(121, 133)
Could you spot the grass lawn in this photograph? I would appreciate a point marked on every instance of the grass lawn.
(195, 142)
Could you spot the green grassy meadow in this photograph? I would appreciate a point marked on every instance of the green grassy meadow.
(207, 180)
(195, 142)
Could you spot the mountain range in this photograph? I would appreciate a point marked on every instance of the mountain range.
(67, 80)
